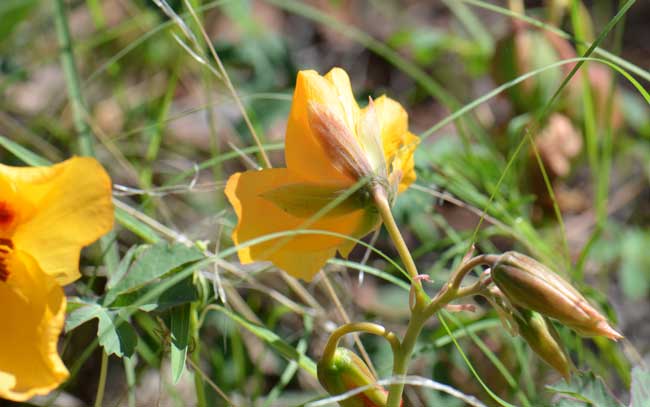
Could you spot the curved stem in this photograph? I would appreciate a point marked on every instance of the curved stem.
(452, 290)
(368, 327)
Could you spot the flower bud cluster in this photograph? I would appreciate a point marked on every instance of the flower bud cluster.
(528, 294)
(530, 285)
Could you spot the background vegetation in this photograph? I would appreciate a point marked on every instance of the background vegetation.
(152, 102)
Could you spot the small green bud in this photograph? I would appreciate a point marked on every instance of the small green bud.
(529, 284)
(345, 371)
(534, 328)
(543, 339)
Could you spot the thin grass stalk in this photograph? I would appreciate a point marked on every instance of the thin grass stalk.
(231, 88)
(84, 135)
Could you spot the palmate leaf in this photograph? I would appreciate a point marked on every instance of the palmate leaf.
(640, 388)
(180, 293)
(115, 336)
(584, 390)
(156, 261)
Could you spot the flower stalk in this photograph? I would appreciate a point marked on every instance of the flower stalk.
(381, 202)
(367, 327)
(422, 308)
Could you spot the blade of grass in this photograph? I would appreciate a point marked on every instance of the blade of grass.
(470, 366)
(540, 24)
(420, 76)
(501, 368)
(84, 134)
(229, 85)
(271, 338)
(540, 116)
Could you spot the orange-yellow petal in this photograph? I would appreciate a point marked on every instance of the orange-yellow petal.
(301, 256)
(72, 208)
(399, 144)
(340, 81)
(303, 152)
(33, 310)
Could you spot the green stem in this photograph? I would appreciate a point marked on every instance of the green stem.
(419, 315)
(129, 372)
(72, 80)
(421, 309)
(368, 327)
(403, 356)
(99, 398)
(195, 356)
(381, 202)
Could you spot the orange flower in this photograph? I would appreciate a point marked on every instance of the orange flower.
(46, 215)
(331, 145)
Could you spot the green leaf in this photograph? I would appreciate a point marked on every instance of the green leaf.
(12, 13)
(585, 389)
(115, 336)
(153, 263)
(640, 388)
(181, 293)
(123, 267)
(180, 330)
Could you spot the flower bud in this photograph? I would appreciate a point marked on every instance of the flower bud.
(543, 339)
(531, 285)
(534, 328)
(345, 371)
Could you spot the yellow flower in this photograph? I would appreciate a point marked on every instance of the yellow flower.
(331, 144)
(46, 215)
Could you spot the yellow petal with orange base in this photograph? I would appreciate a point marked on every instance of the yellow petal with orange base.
(302, 255)
(398, 142)
(33, 310)
(70, 207)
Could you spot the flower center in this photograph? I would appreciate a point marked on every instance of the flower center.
(6, 247)
(7, 215)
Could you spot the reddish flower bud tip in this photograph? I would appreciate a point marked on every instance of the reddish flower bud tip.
(607, 331)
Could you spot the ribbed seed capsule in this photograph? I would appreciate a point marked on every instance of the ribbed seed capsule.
(542, 337)
(531, 285)
(346, 371)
